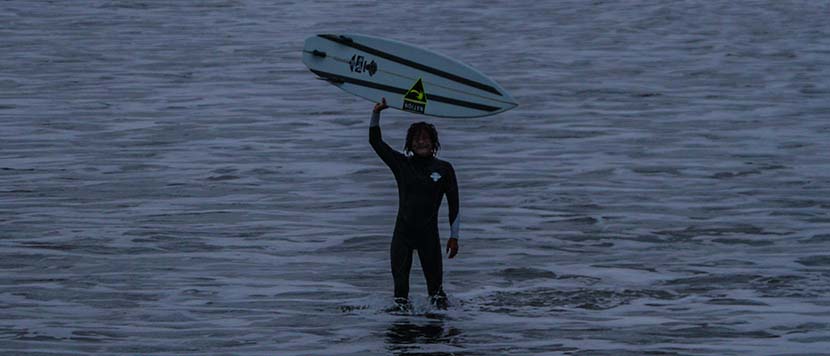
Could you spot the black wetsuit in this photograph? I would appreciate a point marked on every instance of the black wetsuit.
(422, 184)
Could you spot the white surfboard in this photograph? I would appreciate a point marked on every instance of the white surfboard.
(410, 78)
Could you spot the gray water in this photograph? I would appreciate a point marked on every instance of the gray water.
(173, 181)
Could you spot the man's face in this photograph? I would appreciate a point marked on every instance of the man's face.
(422, 144)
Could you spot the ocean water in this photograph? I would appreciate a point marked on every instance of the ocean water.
(173, 181)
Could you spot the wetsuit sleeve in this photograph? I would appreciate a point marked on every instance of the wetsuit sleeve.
(452, 200)
(389, 156)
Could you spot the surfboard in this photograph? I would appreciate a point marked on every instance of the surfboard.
(411, 78)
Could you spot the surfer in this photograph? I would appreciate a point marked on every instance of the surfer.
(422, 180)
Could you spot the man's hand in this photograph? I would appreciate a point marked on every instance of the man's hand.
(452, 247)
(380, 106)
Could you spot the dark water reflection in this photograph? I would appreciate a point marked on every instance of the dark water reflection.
(403, 337)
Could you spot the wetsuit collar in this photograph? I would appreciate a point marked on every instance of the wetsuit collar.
(420, 159)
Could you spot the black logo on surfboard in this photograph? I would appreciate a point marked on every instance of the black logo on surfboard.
(358, 64)
(415, 99)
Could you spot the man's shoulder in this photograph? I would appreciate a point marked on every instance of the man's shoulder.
(444, 164)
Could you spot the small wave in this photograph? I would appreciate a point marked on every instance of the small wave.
(559, 300)
(815, 261)
(525, 273)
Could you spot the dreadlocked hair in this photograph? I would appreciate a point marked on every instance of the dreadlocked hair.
(415, 130)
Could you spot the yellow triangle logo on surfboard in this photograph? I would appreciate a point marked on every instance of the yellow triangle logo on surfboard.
(415, 99)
